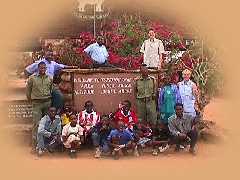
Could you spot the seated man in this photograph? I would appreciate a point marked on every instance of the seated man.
(72, 134)
(126, 115)
(49, 131)
(88, 119)
(182, 127)
(100, 134)
(121, 139)
(98, 53)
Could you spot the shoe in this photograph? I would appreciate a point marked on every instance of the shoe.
(97, 153)
(33, 151)
(155, 152)
(163, 149)
(136, 153)
(192, 151)
(40, 152)
(115, 155)
(73, 154)
(182, 147)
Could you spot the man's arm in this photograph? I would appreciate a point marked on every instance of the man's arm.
(31, 69)
(58, 66)
(29, 88)
(41, 128)
(160, 51)
(160, 99)
(142, 49)
(64, 134)
(172, 128)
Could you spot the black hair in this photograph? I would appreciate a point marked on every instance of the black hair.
(87, 102)
(41, 63)
(128, 102)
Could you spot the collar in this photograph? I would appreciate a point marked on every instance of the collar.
(154, 39)
(44, 76)
(128, 114)
(85, 112)
(145, 78)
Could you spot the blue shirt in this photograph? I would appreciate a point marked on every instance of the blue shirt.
(124, 136)
(52, 67)
(168, 97)
(49, 127)
(97, 53)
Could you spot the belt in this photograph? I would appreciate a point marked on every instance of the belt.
(146, 98)
(42, 100)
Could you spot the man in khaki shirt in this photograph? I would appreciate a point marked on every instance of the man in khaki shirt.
(152, 49)
(38, 91)
(146, 96)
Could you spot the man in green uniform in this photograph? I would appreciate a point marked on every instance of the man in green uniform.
(38, 91)
(146, 96)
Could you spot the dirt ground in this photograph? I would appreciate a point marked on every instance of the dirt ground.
(169, 165)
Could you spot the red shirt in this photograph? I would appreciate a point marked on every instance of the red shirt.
(130, 118)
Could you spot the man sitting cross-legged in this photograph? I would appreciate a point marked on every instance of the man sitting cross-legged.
(72, 134)
(49, 131)
(182, 127)
(121, 139)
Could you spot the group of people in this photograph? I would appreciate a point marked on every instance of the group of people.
(164, 116)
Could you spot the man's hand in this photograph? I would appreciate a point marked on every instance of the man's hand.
(182, 135)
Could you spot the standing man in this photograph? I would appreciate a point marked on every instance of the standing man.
(52, 68)
(152, 49)
(98, 53)
(146, 96)
(38, 91)
(188, 92)
(182, 127)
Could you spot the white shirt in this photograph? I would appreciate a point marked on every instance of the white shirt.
(152, 51)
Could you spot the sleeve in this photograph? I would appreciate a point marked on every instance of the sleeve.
(32, 68)
(65, 130)
(59, 127)
(142, 49)
(106, 52)
(134, 116)
(80, 131)
(160, 99)
(41, 128)
(129, 135)
(161, 47)
(88, 49)
(178, 98)
(110, 136)
(172, 128)
(29, 88)
(58, 66)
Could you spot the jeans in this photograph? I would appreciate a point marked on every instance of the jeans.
(193, 135)
(44, 141)
(99, 141)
